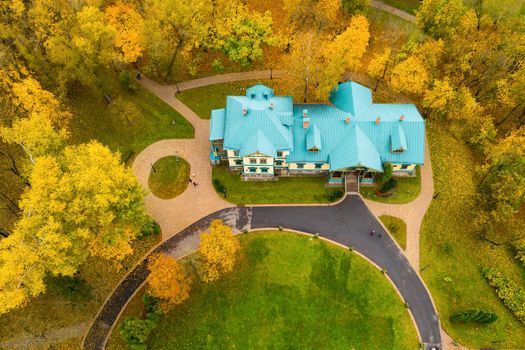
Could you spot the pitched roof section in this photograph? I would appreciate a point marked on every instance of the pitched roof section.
(258, 143)
(313, 138)
(217, 124)
(260, 92)
(397, 138)
(351, 97)
(355, 150)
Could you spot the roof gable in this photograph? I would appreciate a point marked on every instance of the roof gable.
(313, 138)
(258, 143)
(355, 150)
(351, 97)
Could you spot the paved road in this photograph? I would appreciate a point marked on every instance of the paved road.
(349, 223)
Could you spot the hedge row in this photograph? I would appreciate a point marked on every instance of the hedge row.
(475, 316)
(513, 296)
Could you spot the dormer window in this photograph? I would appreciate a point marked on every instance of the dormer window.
(314, 149)
(265, 96)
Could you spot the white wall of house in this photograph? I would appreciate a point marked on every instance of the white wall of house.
(399, 167)
(308, 166)
(258, 169)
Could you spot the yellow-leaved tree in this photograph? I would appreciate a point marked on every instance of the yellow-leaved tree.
(409, 76)
(343, 54)
(218, 251)
(40, 123)
(129, 29)
(378, 66)
(168, 280)
(81, 202)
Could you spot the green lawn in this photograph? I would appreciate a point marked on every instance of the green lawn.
(150, 119)
(286, 190)
(451, 248)
(397, 227)
(169, 177)
(288, 292)
(409, 6)
(407, 189)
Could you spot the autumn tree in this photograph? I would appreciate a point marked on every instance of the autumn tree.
(409, 76)
(129, 28)
(439, 18)
(343, 54)
(316, 15)
(378, 66)
(39, 123)
(305, 62)
(174, 27)
(502, 189)
(168, 280)
(218, 251)
(353, 7)
(82, 202)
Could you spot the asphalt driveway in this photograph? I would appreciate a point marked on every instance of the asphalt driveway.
(350, 223)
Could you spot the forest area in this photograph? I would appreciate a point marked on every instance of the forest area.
(73, 117)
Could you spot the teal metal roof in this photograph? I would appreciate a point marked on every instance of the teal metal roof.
(397, 138)
(217, 124)
(351, 97)
(313, 138)
(276, 121)
(355, 150)
(258, 143)
(260, 92)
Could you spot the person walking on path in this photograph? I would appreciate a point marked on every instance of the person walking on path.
(191, 182)
(372, 232)
(379, 235)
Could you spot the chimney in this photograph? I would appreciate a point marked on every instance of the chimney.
(305, 113)
(306, 123)
(378, 120)
(401, 118)
(244, 110)
(271, 104)
(347, 120)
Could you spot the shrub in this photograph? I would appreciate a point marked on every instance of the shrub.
(135, 332)
(387, 186)
(124, 79)
(352, 7)
(153, 306)
(148, 228)
(512, 296)
(334, 195)
(219, 187)
(387, 173)
(519, 249)
(474, 316)
(217, 65)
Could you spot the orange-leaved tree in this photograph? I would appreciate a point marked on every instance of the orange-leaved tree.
(218, 251)
(168, 280)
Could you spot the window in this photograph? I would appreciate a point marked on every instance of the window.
(253, 160)
(262, 161)
(318, 165)
(279, 162)
(279, 154)
(238, 161)
(252, 170)
(405, 166)
(300, 165)
(313, 149)
(236, 153)
(264, 170)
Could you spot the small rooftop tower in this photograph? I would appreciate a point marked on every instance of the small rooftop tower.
(378, 120)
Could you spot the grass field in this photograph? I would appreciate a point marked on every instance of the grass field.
(150, 119)
(397, 227)
(450, 248)
(169, 177)
(286, 190)
(407, 189)
(288, 292)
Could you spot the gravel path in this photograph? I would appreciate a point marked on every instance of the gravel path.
(392, 10)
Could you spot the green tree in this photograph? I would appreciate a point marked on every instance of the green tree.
(353, 7)
(440, 18)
